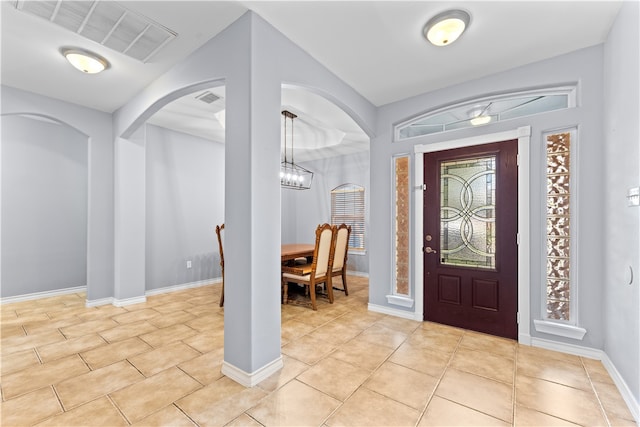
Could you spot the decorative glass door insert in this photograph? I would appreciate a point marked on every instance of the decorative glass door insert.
(467, 212)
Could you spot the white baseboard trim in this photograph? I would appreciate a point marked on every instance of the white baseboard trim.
(393, 312)
(99, 302)
(524, 339)
(129, 301)
(183, 286)
(166, 289)
(576, 350)
(625, 391)
(44, 294)
(251, 379)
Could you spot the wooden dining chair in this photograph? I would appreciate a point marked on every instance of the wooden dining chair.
(319, 271)
(219, 229)
(341, 247)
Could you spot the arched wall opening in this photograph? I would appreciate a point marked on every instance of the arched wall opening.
(44, 206)
(337, 151)
(183, 189)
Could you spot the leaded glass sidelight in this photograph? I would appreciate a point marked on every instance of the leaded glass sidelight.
(467, 212)
(401, 217)
(558, 231)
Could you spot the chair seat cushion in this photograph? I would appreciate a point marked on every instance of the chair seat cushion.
(305, 277)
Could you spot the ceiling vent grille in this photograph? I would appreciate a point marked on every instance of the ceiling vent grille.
(104, 22)
(208, 97)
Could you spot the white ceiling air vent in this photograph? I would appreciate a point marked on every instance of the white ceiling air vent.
(208, 97)
(104, 22)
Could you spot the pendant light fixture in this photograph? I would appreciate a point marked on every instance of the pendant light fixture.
(292, 175)
(445, 28)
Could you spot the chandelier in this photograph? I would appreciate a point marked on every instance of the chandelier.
(292, 175)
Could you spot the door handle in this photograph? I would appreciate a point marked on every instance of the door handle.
(429, 250)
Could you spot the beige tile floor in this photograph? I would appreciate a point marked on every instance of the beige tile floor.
(158, 363)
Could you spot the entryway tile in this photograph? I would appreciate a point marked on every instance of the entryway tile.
(362, 353)
(528, 417)
(443, 412)
(167, 416)
(425, 360)
(154, 361)
(39, 376)
(112, 353)
(220, 402)
(99, 412)
(83, 388)
(146, 397)
(485, 364)
(482, 394)
(295, 404)
(561, 401)
(403, 385)
(30, 408)
(368, 408)
(334, 377)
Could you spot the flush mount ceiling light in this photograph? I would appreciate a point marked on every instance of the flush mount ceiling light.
(480, 115)
(85, 61)
(445, 28)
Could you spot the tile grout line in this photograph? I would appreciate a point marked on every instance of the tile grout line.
(595, 392)
(115, 405)
(444, 371)
(514, 389)
(368, 377)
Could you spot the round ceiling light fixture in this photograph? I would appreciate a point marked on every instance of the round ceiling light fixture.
(84, 60)
(445, 28)
(479, 115)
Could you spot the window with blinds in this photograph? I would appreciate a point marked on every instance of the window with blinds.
(347, 206)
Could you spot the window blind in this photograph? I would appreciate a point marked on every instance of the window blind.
(347, 206)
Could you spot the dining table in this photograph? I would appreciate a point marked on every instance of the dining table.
(291, 251)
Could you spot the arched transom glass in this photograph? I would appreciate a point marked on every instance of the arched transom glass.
(486, 110)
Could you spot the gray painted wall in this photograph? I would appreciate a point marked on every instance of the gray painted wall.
(583, 67)
(621, 244)
(97, 126)
(184, 203)
(303, 210)
(44, 206)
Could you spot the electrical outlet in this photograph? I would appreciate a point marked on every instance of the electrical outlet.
(188, 264)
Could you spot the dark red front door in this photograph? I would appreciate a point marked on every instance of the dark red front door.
(470, 240)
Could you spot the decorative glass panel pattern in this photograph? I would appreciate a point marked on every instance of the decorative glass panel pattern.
(467, 212)
(402, 225)
(558, 226)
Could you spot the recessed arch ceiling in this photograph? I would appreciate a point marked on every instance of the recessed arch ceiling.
(321, 129)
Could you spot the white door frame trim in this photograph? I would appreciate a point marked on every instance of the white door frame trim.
(523, 135)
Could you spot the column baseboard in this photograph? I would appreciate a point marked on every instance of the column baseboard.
(248, 379)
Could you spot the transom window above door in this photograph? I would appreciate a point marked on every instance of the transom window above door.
(486, 110)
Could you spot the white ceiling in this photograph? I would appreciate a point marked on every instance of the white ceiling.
(377, 47)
